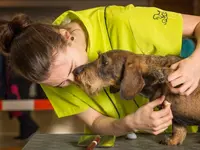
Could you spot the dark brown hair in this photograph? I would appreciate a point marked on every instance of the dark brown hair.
(29, 46)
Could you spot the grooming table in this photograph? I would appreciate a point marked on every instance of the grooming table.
(143, 142)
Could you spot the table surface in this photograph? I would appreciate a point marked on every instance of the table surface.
(144, 141)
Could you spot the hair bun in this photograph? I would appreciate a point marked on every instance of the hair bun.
(10, 29)
(19, 22)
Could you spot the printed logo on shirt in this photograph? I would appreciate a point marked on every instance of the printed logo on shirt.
(161, 15)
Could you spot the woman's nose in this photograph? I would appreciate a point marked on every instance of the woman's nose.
(78, 70)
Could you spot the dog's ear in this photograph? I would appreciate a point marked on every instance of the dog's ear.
(132, 82)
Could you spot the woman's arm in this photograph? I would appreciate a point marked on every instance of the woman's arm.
(191, 25)
(145, 119)
(188, 70)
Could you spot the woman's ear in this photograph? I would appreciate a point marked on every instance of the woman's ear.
(65, 33)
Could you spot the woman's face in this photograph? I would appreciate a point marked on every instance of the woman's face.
(65, 62)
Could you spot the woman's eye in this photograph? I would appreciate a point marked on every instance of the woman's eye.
(65, 83)
(61, 85)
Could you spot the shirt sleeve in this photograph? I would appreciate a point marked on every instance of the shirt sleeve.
(152, 28)
(161, 28)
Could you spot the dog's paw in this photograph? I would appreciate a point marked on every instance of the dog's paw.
(164, 141)
(169, 141)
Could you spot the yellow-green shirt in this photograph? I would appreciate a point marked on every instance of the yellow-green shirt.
(144, 30)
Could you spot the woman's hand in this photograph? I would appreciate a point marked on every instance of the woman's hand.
(186, 76)
(146, 119)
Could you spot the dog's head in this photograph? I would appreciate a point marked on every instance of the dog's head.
(116, 69)
(124, 72)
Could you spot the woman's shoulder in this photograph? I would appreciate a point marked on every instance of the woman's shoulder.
(69, 15)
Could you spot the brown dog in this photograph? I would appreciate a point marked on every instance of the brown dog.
(132, 74)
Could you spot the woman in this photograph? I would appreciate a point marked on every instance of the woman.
(47, 54)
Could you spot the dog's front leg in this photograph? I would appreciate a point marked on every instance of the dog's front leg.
(178, 135)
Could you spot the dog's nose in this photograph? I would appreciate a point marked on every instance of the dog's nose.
(78, 70)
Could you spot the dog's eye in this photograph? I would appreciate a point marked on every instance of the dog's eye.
(104, 60)
(104, 63)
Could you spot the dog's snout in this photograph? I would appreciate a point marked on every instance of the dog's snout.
(78, 70)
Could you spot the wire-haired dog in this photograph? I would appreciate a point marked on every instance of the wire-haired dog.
(132, 74)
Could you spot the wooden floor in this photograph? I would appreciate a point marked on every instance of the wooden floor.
(8, 143)
(11, 148)
(48, 122)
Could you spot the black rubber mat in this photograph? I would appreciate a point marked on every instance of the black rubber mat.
(143, 142)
